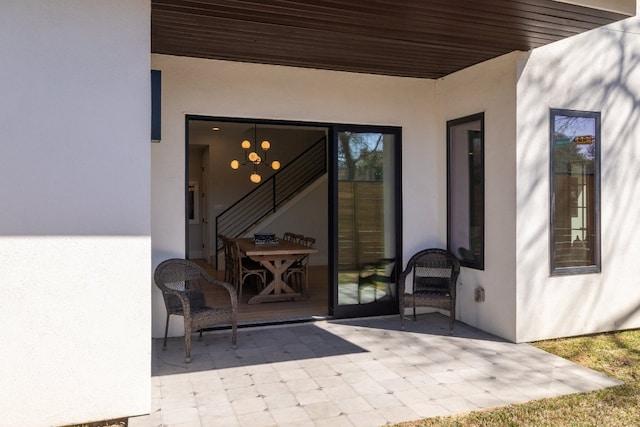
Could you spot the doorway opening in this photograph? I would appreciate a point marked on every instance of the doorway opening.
(303, 196)
(230, 204)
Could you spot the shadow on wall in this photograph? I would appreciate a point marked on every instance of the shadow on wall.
(596, 71)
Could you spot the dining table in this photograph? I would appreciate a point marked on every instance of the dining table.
(276, 257)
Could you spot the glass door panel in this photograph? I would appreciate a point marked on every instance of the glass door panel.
(366, 221)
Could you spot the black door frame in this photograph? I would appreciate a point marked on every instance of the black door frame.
(332, 232)
(362, 310)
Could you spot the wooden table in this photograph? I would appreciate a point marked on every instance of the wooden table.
(276, 258)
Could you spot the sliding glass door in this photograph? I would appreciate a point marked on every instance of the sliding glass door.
(366, 220)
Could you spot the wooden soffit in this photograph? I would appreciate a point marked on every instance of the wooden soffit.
(412, 38)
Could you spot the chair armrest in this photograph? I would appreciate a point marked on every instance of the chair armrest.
(232, 291)
(182, 297)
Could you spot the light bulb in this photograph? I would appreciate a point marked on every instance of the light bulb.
(255, 178)
(265, 145)
(235, 164)
(257, 160)
(253, 156)
(275, 165)
(246, 144)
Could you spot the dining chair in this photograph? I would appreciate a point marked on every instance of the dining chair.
(246, 268)
(435, 273)
(308, 241)
(298, 272)
(288, 236)
(227, 247)
(182, 283)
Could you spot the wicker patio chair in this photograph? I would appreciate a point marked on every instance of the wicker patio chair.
(181, 283)
(435, 273)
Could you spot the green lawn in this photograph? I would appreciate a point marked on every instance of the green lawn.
(615, 354)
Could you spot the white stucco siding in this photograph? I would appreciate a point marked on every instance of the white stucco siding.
(489, 87)
(597, 71)
(75, 250)
(228, 89)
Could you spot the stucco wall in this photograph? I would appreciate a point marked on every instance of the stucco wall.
(597, 71)
(75, 257)
(219, 88)
(488, 87)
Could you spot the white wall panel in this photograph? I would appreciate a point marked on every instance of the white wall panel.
(596, 71)
(488, 87)
(75, 219)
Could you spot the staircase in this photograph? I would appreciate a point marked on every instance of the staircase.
(274, 192)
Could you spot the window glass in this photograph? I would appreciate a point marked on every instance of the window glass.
(575, 162)
(366, 219)
(465, 224)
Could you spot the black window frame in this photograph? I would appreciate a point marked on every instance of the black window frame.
(596, 266)
(478, 262)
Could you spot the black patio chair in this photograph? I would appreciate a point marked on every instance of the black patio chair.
(435, 273)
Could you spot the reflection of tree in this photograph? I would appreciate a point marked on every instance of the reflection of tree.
(568, 125)
(568, 128)
(568, 153)
(360, 156)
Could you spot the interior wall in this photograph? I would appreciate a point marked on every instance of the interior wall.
(596, 71)
(308, 214)
(228, 89)
(488, 87)
(75, 249)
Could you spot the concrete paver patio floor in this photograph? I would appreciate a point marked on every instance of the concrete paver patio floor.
(359, 372)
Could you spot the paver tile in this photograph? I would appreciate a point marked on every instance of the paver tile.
(358, 372)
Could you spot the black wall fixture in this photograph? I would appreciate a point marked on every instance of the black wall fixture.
(155, 105)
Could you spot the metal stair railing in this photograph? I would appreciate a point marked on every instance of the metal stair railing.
(270, 195)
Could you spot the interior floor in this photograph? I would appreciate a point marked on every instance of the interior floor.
(317, 305)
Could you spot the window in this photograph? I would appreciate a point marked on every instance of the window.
(465, 192)
(575, 192)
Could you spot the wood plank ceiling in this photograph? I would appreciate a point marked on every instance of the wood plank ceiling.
(412, 38)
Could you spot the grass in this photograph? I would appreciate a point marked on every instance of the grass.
(616, 354)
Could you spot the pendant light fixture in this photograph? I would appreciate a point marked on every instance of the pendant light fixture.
(254, 157)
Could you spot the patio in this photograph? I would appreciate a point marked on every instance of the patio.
(358, 372)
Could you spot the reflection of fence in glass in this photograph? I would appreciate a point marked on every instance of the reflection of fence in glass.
(573, 253)
(573, 220)
(361, 223)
